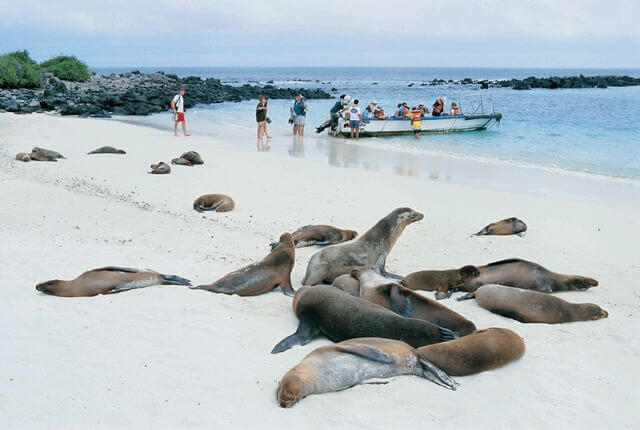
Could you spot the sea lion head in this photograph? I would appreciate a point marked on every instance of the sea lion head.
(286, 239)
(582, 283)
(349, 234)
(291, 389)
(595, 312)
(468, 272)
(48, 287)
(406, 216)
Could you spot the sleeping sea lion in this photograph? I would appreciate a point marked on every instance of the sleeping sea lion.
(526, 275)
(264, 276)
(23, 156)
(369, 250)
(533, 306)
(338, 367)
(325, 310)
(108, 280)
(310, 235)
(443, 282)
(106, 150)
(214, 202)
(47, 152)
(504, 227)
(393, 296)
(41, 156)
(193, 157)
(161, 168)
(480, 351)
(181, 162)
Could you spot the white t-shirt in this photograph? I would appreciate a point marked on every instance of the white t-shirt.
(354, 112)
(178, 103)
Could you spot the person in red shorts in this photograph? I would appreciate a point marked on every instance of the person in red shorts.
(177, 105)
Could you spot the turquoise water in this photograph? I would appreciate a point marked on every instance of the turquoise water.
(586, 130)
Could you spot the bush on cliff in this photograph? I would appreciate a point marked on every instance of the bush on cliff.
(67, 68)
(18, 70)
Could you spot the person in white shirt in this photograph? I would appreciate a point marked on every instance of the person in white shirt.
(355, 117)
(177, 106)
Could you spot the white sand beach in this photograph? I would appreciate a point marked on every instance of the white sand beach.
(170, 357)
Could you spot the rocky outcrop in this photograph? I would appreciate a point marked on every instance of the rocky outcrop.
(551, 83)
(134, 93)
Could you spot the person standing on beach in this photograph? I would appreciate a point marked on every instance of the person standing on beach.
(177, 106)
(355, 117)
(299, 115)
(261, 118)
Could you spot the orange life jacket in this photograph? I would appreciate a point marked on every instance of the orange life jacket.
(417, 115)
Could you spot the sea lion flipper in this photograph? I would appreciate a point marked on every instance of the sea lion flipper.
(287, 289)
(175, 280)
(273, 245)
(436, 375)
(366, 351)
(443, 293)
(447, 334)
(467, 296)
(400, 301)
(303, 335)
(521, 234)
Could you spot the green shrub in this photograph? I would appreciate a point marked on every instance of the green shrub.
(67, 68)
(18, 70)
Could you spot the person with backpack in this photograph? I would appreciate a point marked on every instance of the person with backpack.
(177, 106)
(299, 115)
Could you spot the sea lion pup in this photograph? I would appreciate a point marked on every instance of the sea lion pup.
(108, 280)
(442, 282)
(214, 202)
(480, 351)
(504, 227)
(393, 296)
(181, 162)
(106, 150)
(321, 235)
(533, 306)
(23, 156)
(325, 310)
(346, 364)
(193, 157)
(528, 276)
(369, 250)
(262, 277)
(161, 168)
(48, 152)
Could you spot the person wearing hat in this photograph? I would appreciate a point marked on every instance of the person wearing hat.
(455, 109)
(423, 109)
(177, 106)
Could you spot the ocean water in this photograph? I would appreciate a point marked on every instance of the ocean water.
(589, 131)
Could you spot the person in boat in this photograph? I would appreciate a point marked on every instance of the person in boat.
(398, 111)
(355, 118)
(416, 121)
(378, 113)
(334, 113)
(455, 109)
(369, 110)
(423, 108)
(403, 110)
(438, 106)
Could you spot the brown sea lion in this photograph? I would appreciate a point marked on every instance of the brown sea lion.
(528, 276)
(533, 306)
(161, 168)
(108, 280)
(259, 278)
(348, 284)
(23, 156)
(393, 296)
(106, 150)
(480, 351)
(346, 364)
(181, 162)
(443, 282)
(321, 235)
(369, 250)
(41, 156)
(504, 227)
(48, 152)
(325, 310)
(214, 202)
(193, 157)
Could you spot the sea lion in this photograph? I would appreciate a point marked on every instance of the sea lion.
(214, 202)
(161, 168)
(264, 276)
(310, 235)
(325, 310)
(193, 157)
(480, 351)
(526, 275)
(393, 296)
(533, 306)
(346, 364)
(181, 162)
(41, 156)
(23, 156)
(106, 150)
(443, 282)
(348, 284)
(369, 250)
(108, 280)
(504, 227)
(48, 152)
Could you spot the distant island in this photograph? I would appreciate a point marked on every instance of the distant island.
(550, 83)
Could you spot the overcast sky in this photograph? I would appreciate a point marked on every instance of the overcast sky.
(480, 33)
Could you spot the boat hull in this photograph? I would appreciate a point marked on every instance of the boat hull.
(430, 124)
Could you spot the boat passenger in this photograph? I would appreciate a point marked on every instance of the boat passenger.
(379, 112)
(398, 111)
(455, 109)
(416, 121)
(438, 107)
(423, 108)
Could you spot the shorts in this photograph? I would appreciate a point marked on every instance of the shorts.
(299, 120)
(354, 124)
(262, 123)
(416, 125)
(180, 117)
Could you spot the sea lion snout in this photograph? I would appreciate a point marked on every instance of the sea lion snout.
(416, 216)
(45, 287)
